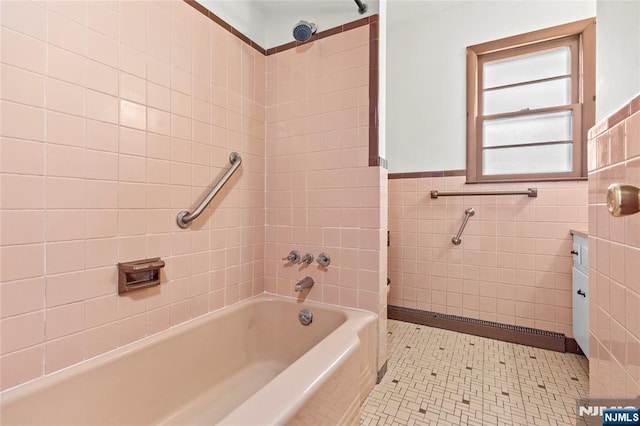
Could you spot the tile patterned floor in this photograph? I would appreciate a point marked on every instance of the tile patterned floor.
(440, 377)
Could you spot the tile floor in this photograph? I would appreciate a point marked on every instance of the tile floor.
(440, 377)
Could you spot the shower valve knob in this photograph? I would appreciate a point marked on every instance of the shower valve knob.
(307, 258)
(293, 257)
(323, 259)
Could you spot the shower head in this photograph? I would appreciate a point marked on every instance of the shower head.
(303, 30)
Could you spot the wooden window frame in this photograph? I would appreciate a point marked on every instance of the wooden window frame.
(580, 36)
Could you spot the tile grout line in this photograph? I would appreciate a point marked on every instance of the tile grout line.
(556, 409)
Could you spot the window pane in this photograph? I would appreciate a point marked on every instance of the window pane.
(528, 96)
(550, 127)
(536, 66)
(528, 159)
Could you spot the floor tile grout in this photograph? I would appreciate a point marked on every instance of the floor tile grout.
(442, 377)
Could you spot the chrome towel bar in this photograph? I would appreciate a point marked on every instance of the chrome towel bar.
(467, 214)
(184, 217)
(531, 192)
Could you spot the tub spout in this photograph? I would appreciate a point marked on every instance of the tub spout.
(306, 282)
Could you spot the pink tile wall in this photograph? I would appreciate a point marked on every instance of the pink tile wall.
(614, 259)
(514, 263)
(321, 195)
(116, 116)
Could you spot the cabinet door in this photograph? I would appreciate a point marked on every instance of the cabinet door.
(584, 257)
(581, 310)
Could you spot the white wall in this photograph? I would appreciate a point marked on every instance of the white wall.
(618, 55)
(270, 23)
(244, 15)
(382, 80)
(281, 16)
(426, 70)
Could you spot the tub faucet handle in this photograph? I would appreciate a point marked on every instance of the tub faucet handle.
(293, 257)
(307, 258)
(323, 259)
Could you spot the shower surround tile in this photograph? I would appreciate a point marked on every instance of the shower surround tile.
(440, 377)
(321, 194)
(96, 106)
(152, 97)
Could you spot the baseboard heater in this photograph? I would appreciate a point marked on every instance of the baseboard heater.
(507, 333)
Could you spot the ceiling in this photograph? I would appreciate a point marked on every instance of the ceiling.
(270, 23)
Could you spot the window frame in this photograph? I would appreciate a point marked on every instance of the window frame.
(580, 37)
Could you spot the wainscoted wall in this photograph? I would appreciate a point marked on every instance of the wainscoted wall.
(614, 258)
(322, 196)
(514, 263)
(116, 116)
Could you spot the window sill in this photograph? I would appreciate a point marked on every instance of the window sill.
(531, 180)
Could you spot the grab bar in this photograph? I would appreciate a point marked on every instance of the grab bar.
(530, 192)
(184, 217)
(468, 213)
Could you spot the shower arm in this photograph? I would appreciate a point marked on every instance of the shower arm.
(362, 7)
(468, 213)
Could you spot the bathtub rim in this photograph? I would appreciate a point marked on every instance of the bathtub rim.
(355, 320)
(315, 366)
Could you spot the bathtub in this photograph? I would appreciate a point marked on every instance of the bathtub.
(252, 363)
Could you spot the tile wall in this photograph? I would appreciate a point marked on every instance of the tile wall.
(614, 258)
(321, 195)
(514, 263)
(116, 116)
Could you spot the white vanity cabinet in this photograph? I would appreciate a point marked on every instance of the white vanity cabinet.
(580, 284)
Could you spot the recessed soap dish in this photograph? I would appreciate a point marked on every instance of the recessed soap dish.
(139, 274)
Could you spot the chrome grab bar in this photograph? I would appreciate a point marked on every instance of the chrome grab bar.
(184, 217)
(530, 192)
(468, 213)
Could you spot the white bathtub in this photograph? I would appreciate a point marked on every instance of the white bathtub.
(251, 363)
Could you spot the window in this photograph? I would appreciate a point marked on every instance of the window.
(530, 103)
